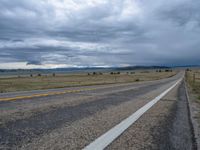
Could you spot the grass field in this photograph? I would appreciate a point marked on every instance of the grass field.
(194, 89)
(193, 78)
(49, 81)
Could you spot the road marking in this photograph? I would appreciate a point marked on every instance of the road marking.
(108, 137)
(45, 94)
(53, 93)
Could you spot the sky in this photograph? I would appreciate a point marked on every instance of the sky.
(98, 33)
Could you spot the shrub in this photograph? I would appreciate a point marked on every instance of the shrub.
(168, 70)
(188, 69)
(145, 72)
(137, 80)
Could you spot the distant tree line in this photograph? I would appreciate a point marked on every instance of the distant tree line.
(166, 70)
(95, 73)
(39, 75)
(112, 73)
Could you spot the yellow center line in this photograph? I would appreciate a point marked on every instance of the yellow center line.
(44, 94)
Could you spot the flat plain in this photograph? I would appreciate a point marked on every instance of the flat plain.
(74, 119)
(48, 81)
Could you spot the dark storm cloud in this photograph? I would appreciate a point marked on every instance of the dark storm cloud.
(33, 63)
(100, 33)
(183, 13)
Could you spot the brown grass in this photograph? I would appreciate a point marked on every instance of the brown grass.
(59, 81)
(194, 84)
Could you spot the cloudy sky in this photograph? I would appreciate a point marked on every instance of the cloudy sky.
(77, 33)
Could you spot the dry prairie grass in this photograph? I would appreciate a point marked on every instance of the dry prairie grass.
(59, 81)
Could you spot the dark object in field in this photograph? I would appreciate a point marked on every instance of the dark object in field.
(188, 69)
(114, 73)
(168, 70)
(158, 70)
(137, 80)
(145, 72)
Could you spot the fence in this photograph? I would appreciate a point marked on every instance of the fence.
(196, 77)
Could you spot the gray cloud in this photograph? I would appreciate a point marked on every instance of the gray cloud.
(100, 33)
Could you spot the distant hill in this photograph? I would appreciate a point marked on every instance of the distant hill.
(76, 70)
(88, 68)
(142, 67)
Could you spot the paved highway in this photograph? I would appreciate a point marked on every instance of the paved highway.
(78, 117)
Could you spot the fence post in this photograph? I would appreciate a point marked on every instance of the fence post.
(186, 74)
(193, 77)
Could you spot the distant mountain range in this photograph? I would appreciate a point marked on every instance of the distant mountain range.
(85, 69)
(90, 69)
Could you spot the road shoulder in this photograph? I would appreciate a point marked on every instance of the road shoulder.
(165, 126)
(194, 112)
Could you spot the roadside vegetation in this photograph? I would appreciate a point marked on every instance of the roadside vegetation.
(193, 79)
(193, 82)
(47, 81)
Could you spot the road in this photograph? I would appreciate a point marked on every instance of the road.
(73, 118)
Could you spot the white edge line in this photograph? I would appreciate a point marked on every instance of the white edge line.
(104, 140)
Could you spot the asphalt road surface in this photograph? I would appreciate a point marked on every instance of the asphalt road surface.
(73, 118)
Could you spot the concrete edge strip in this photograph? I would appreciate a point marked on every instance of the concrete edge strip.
(194, 129)
(107, 138)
